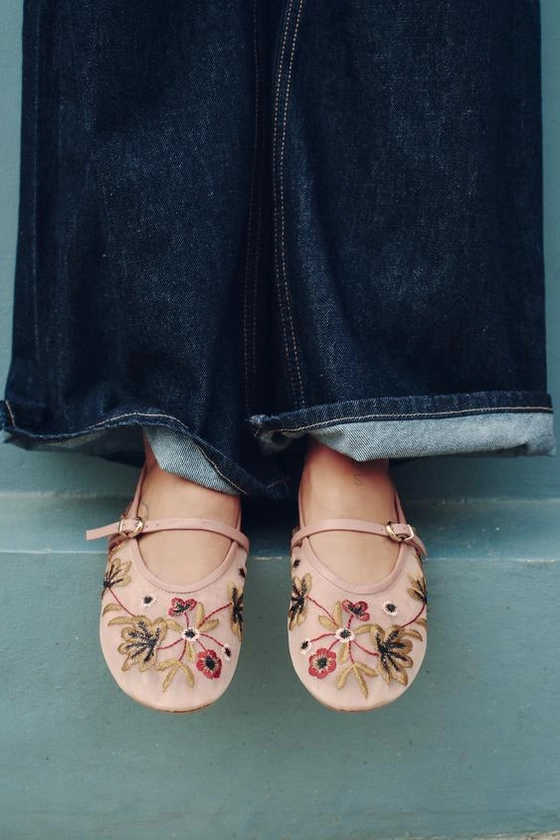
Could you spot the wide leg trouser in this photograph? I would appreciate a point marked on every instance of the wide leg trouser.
(245, 221)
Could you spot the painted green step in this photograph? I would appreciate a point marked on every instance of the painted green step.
(472, 749)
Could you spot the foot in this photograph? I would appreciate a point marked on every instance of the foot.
(182, 557)
(334, 486)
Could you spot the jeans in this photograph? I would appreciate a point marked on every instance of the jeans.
(246, 221)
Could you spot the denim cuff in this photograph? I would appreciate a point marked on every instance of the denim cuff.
(410, 427)
(175, 452)
(507, 434)
(179, 454)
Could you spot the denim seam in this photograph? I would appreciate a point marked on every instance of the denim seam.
(217, 469)
(259, 218)
(10, 412)
(285, 308)
(256, 168)
(423, 414)
(278, 82)
(105, 424)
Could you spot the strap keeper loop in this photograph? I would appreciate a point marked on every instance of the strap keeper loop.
(138, 528)
(399, 537)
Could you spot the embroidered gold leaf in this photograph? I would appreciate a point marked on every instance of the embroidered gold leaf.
(116, 573)
(413, 633)
(418, 590)
(327, 623)
(111, 607)
(422, 622)
(393, 646)
(366, 669)
(199, 615)
(374, 632)
(209, 625)
(190, 652)
(337, 614)
(170, 675)
(122, 619)
(361, 682)
(125, 567)
(173, 625)
(167, 663)
(173, 666)
(141, 640)
(343, 676)
(362, 628)
(299, 619)
(187, 673)
(358, 669)
(298, 601)
(236, 609)
(343, 652)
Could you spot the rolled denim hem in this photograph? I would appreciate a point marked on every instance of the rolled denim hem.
(410, 427)
(180, 455)
(119, 438)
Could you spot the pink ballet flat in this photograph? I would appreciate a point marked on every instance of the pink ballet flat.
(356, 648)
(172, 648)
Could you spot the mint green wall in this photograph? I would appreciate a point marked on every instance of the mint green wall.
(472, 749)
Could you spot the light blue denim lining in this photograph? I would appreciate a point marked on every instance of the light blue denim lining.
(504, 434)
(179, 454)
(507, 433)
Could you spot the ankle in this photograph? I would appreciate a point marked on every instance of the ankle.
(336, 480)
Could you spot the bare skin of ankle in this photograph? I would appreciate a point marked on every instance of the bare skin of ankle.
(334, 486)
(182, 557)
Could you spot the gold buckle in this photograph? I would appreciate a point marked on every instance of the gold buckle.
(396, 537)
(137, 528)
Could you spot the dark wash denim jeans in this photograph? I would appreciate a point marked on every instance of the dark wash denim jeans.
(245, 221)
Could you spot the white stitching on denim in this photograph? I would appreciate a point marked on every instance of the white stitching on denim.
(220, 473)
(10, 412)
(249, 355)
(144, 417)
(279, 250)
(278, 83)
(397, 417)
(260, 170)
(282, 214)
(109, 424)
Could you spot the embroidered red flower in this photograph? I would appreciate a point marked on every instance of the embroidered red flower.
(359, 609)
(321, 663)
(180, 606)
(209, 663)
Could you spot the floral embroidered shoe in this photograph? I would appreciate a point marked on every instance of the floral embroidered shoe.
(357, 647)
(172, 648)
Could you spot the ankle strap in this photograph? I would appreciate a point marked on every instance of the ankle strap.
(133, 527)
(396, 531)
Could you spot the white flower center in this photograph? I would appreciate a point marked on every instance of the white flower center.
(344, 634)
